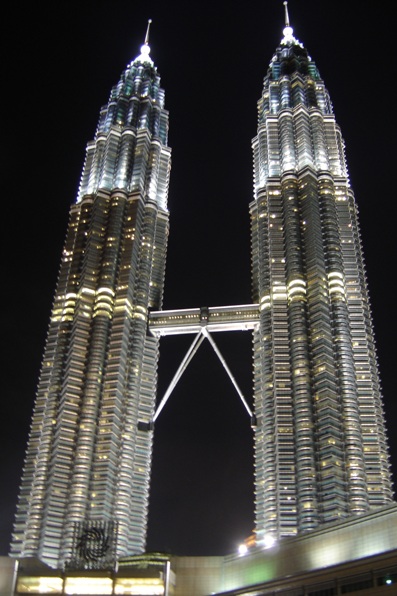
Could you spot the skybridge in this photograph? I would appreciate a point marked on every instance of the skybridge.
(203, 322)
(217, 318)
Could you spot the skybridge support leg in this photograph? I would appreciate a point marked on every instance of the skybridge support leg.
(188, 357)
(225, 366)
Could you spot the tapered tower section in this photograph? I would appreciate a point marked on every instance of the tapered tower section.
(86, 476)
(320, 444)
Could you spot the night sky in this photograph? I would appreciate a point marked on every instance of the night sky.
(60, 65)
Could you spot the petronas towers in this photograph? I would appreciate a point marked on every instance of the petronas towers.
(319, 434)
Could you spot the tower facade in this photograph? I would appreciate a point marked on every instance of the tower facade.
(319, 433)
(90, 445)
(320, 445)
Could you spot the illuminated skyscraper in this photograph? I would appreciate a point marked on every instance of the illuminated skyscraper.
(320, 444)
(89, 451)
(319, 433)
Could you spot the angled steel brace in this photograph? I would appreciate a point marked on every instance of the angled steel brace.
(189, 355)
(203, 333)
(206, 333)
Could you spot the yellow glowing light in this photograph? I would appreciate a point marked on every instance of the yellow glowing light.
(142, 586)
(39, 585)
(88, 585)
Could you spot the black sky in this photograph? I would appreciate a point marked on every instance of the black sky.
(60, 65)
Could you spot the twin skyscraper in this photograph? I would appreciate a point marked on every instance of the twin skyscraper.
(319, 436)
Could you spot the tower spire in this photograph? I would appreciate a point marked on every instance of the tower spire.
(145, 48)
(286, 14)
(288, 32)
(148, 29)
